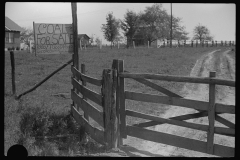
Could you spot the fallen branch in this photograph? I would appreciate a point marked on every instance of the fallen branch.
(45, 79)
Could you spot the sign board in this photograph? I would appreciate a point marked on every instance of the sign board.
(53, 38)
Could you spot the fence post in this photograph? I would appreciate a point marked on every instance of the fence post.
(211, 115)
(115, 66)
(109, 109)
(196, 43)
(225, 43)
(207, 43)
(229, 43)
(163, 43)
(221, 43)
(184, 43)
(13, 72)
(216, 43)
(192, 44)
(148, 44)
(133, 44)
(122, 102)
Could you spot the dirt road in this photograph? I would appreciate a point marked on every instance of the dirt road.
(224, 65)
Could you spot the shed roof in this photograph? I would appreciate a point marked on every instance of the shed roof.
(11, 26)
(82, 35)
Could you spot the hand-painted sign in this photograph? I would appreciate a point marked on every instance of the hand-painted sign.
(53, 38)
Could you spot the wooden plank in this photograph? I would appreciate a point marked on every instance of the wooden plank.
(204, 80)
(182, 117)
(157, 87)
(115, 67)
(96, 134)
(94, 96)
(211, 115)
(218, 130)
(109, 109)
(122, 101)
(93, 112)
(223, 108)
(188, 103)
(84, 84)
(224, 121)
(178, 141)
(94, 81)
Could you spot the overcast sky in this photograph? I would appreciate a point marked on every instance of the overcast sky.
(220, 18)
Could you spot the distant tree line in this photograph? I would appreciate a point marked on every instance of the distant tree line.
(153, 23)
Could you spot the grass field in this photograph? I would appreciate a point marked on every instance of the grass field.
(51, 101)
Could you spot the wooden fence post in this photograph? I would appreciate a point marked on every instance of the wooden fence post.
(75, 41)
(221, 43)
(229, 43)
(211, 115)
(109, 109)
(196, 43)
(13, 72)
(115, 66)
(133, 44)
(192, 44)
(122, 102)
(148, 44)
(207, 43)
(163, 43)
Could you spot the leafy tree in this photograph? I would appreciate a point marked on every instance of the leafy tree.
(178, 31)
(152, 22)
(111, 29)
(201, 33)
(129, 25)
(155, 24)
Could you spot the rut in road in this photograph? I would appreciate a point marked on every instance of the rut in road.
(224, 66)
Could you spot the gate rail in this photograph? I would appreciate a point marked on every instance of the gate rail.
(210, 109)
(112, 118)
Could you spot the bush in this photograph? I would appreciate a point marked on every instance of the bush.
(17, 48)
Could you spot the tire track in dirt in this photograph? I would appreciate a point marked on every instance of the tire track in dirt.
(224, 66)
(218, 62)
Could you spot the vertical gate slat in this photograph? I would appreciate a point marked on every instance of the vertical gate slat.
(122, 102)
(211, 115)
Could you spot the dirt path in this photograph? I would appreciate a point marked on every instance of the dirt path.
(224, 66)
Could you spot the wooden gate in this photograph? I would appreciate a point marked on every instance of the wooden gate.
(82, 101)
(210, 109)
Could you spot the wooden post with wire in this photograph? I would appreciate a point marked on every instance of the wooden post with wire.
(75, 41)
(35, 42)
(13, 72)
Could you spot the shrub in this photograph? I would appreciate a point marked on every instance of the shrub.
(17, 48)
